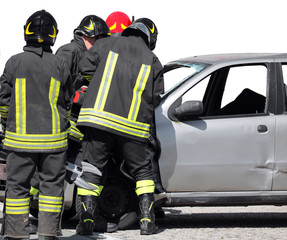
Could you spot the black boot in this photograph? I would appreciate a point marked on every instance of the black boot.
(101, 225)
(147, 218)
(87, 215)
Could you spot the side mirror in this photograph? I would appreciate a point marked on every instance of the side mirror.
(188, 109)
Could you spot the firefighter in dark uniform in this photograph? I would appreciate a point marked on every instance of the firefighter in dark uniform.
(117, 115)
(89, 30)
(35, 99)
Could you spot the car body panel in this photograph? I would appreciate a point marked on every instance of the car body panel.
(217, 155)
(280, 166)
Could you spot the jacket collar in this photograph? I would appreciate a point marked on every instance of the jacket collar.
(37, 49)
(79, 40)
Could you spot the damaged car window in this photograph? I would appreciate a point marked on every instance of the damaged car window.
(179, 74)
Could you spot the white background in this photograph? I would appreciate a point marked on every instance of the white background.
(186, 27)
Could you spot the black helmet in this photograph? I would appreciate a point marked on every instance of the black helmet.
(41, 27)
(145, 28)
(92, 26)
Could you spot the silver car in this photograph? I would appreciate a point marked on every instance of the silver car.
(221, 138)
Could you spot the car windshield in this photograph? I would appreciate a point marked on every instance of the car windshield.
(176, 73)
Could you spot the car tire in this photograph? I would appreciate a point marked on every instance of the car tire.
(118, 202)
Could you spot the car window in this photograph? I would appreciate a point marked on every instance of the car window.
(179, 74)
(253, 78)
(284, 69)
(231, 91)
(197, 92)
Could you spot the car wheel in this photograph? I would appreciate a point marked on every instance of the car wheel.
(118, 202)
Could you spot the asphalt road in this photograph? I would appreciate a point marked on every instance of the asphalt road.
(186, 223)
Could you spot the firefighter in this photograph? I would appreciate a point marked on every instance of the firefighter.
(117, 115)
(35, 104)
(118, 22)
(89, 30)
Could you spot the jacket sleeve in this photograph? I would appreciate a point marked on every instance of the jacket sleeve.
(158, 84)
(6, 86)
(89, 62)
(68, 88)
(67, 54)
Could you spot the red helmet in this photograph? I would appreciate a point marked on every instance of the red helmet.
(118, 22)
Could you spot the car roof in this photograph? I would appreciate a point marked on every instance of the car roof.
(230, 57)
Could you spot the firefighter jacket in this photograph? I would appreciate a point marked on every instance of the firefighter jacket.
(73, 53)
(125, 87)
(35, 100)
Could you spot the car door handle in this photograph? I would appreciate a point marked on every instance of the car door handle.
(262, 128)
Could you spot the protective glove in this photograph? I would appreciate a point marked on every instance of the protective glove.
(80, 96)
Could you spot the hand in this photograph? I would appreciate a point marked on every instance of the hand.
(80, 96)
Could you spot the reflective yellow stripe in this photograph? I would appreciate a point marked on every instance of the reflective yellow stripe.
(88, 220)
(50, 199)
(33, 191)
(4, 111)
(115, 122)
(17, 206)
(150, 206)
(147, 219)
(85, 192)
(53, 98)
(35, 141)
(106, 81)
(138, 90)
(50, 203)
(20, 104)
(36, 137)
(75, 132)
(17, 210)
(68, 112)
(145, 186)
(88, 77)
(17, 202)
(143, 183)
(50, 208)
(113, 117)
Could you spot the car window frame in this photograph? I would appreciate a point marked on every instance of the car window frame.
(271, 105)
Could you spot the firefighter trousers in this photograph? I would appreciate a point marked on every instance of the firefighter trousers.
(100, 146)
(20, 169)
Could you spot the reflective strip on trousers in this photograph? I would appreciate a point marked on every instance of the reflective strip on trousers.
(17, 206)
(50, 204)
(85, 192)
(145, 186)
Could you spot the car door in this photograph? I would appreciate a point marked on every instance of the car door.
(231, 146)
(280, 173)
